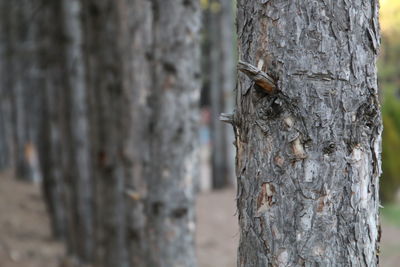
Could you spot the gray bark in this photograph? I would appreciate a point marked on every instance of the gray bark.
(107, 111)
(219, 68)
(50, 145)
(308, 154)
(172, 133)
(136, 44)
(144, 82)
(80, 206)
(6, 134)
(17, 82)
(23, 83)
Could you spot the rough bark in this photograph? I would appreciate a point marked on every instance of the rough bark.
(308, 155)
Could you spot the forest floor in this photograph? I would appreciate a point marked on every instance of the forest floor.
(25, 239)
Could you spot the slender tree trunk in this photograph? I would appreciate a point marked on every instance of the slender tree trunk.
(228, 59)
(172, 133)
(218, 67)
(16, 85)
(52, 84)
(23, 81)
(6, 134)
(78, 161)
(308, 151)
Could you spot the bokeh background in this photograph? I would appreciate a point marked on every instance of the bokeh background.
(25, 238)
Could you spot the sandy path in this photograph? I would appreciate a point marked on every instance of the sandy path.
(25, 240)
(217, 230)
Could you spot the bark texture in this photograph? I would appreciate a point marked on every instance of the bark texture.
(308, 155)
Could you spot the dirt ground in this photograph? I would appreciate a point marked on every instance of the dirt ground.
(25, 240)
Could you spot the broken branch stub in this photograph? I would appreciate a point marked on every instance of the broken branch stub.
(226, 117)
(262, 79)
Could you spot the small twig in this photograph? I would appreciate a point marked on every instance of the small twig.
(133, 194)
(262, 79)
(226, 117)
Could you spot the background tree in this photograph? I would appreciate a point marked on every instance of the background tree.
(107, 109)
(144, 82)
(218, 84)
(77, 140)
(120, 91)
(172, 133)
(51, 65)
(21, 81)
(6, 134)
(308, 138)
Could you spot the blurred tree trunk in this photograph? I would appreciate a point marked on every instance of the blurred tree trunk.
(308, 152)
(76, 135)
(51, 68)
(172, 133)
(22, 83)
(6, 134)
(119, 83)
(17, 38)
(219, 68)
(108, 108)
(144, 83)
(5, 126)
(136, 44)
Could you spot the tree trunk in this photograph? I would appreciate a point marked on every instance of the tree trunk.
(17, 83)
(136, 44)
(172, 132)
(107, 111)
(219, 57)
(6, 134)
(308, 151)
(77, 139)
(23, 83)
(52, 84)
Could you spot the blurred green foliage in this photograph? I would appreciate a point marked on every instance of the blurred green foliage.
(389, 83)
(391, 214)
